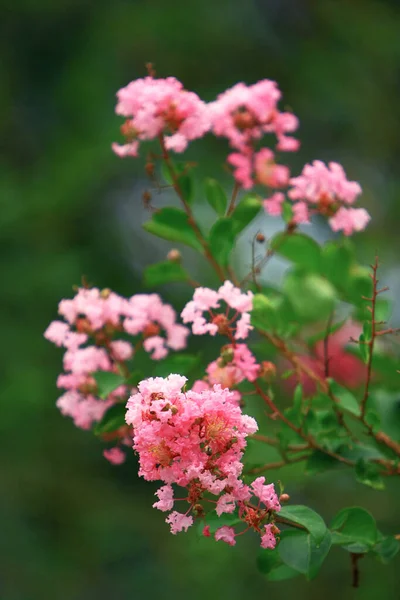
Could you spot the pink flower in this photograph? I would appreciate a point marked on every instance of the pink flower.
(274, 205)
(268, 173)
(178, 522)
(327, 184)
(226, 504)
(243, 168)
(266, 493)
(121, 350)
(206, 300)
(268, 540)
(156, 107)
(114, 455)
(245, 113)
(350, 220)
(166, 498)
(301, 213)
(156, 346)
(226, 534)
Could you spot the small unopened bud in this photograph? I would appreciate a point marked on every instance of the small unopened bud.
(146, 197)
(275, 530)
(227, 355)
(149, 168)
(221, 321)
(83, 325)
(174, 256)
(198, 510)
(150, 330)
(206, 531)
(284, 498)
(105, 293)
(268, 370)
(260, 238)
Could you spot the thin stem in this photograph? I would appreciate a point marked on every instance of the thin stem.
(235, 191)
(188, 210)
(371, 342)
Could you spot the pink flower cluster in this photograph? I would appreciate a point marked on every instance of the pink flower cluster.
(243, 114)
(236, 326)
(236, 364)
(324, 190)
(196, 441)
(95, 323)
(155, 107)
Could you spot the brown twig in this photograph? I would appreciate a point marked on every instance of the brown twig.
(235, 192)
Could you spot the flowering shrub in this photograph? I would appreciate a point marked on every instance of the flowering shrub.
(314, 352)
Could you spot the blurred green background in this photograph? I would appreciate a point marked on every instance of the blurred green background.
(72, 527)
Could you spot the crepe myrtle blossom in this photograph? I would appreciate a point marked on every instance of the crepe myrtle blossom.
(94, 321)
(252, 168)
(196, 440)
(322, 189)
(233, 321)
(154, 107)
(235, 365)
(243, 114)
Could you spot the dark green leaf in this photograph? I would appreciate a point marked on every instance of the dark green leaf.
(319, 462)
(387, 549)
(184, 177)
(281, 573)
(107, 382)
(311, 296)
(175, 363)
(267, 560)
(164, 272)
(336, 261)
(299, 551)
(299, 249)
(222, 240)
(354, 525)
(344, 398)
(368, 473)
(172, 224)
(246, 210)
(113, 419)
(302, 515)
(216, 196)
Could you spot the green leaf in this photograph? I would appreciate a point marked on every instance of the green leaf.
(107, 382)
(263, 315)
(281, 573)
(267, 560)
(319, 462)
(387, 549)
(311, 296)
(299, 551)
(308, 518)
(298, 397)
(112, 420)
(313, 339)
(367, 330)
(216, 196)
(175, 363)
(368, 473)
(164, 272)
(359, 285)
(344, 398)
(246, 210)
(299, 249)
(336, 261)
(354, 525)
(364, 349)
(173, 224)
(185, 179)
(222, 240)
(287, 211)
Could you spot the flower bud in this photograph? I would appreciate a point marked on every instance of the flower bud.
(105, 293)
(260, 238)
(284, 498)
(174, 256)
(268, 370)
